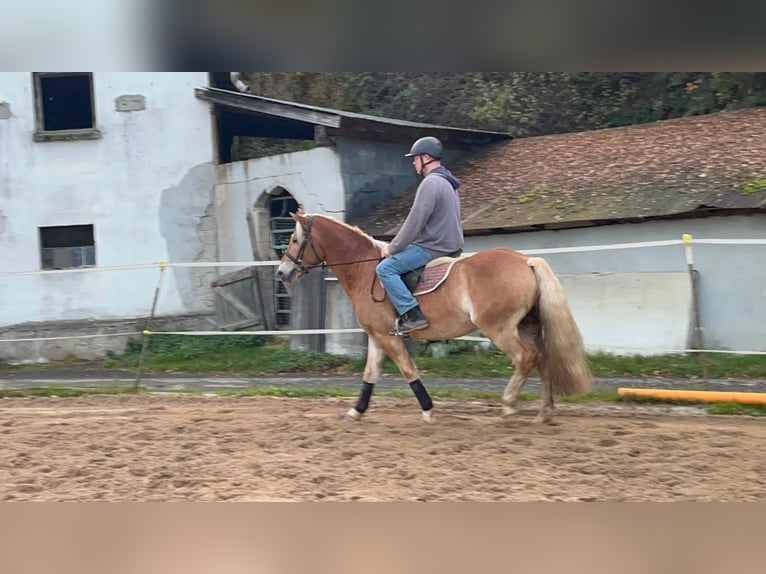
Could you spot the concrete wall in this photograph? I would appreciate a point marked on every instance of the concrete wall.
(732, 278)
(146, 186)
(374, 172)
(631, 313)
(94, 338)
(340, 315)
(312, 177)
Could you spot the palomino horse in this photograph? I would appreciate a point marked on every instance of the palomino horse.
(514, 300)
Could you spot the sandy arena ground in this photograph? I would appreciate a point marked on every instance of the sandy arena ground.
(167, 448)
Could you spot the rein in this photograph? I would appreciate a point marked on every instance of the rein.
(323, 264)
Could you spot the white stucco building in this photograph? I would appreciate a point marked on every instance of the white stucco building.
(99, 170)
(104, 170)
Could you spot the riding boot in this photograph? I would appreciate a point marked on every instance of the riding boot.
(412, 320)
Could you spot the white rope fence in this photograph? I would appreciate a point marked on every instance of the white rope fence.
(686, 240)
(547, 250)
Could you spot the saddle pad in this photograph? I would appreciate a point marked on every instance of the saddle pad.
(434, 274)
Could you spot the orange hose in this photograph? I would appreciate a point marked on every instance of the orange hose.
(704, 396)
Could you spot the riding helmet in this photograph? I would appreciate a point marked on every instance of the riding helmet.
(429, 144)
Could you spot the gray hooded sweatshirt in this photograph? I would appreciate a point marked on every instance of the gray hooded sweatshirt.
(434, 219)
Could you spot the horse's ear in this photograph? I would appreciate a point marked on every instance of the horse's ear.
(300, 216)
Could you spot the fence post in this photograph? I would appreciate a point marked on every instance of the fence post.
(698, 338)
(147, 331)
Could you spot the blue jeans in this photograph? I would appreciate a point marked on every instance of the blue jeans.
(390, 272)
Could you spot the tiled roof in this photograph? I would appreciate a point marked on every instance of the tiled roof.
(658, 169)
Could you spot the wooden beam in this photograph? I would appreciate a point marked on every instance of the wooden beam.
(259, 105)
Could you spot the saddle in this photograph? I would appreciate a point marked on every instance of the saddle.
(429, 277)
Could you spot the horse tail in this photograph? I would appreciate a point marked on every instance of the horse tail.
(563, 362)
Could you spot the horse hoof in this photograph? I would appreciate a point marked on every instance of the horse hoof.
(353, 415)
(543, 420)
(508, 411)
(428, 417)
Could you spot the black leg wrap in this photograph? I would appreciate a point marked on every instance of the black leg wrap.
(364, 397)
(422, 394)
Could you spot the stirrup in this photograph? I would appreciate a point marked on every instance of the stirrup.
(397, 330)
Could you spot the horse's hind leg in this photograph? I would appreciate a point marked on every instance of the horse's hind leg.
(372, 370)
(524, 353)
(530, 330)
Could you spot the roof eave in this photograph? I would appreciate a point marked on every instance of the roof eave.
(574, 224)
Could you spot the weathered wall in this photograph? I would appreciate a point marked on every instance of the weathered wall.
(340, 315)
(374, 172)
(631, 313)
(312, 177)
(87, 339)
(146, 186)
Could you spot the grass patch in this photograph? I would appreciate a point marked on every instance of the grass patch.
(496, 364)
(255, 355)
(754, 186)
(737, 409)
(252, 355)
(247, 355)
(719, 366)
(65, 392)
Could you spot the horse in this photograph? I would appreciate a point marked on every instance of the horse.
(513, 299)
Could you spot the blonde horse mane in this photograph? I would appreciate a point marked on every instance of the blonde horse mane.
(375, 242)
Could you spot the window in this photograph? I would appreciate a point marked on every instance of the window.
(67, 246)
(282, 226)
(64, 105)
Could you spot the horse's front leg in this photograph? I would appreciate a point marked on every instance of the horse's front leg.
(396, 349)
(372, 370)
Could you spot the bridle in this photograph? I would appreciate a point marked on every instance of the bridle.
(298, 260)
(302, 250)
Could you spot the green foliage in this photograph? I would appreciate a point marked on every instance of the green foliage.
(719, 365)
(754, 186)
(62, 392)
(521, 103)
(254, 356)
(184, 348)
(534, 194)
(737, 409)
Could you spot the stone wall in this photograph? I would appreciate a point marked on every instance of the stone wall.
(90, 338)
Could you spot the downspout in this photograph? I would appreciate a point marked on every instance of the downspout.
(238, 83)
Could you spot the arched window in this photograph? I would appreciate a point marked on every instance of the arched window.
(279, 205)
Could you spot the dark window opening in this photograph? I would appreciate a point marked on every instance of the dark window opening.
(67, 246)
(282, 226)
(65, 106)
(282, 205)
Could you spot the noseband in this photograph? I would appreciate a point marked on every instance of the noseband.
(302, 249)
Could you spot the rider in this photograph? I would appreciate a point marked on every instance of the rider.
(432, 229)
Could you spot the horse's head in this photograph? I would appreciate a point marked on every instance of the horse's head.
(301, 254)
